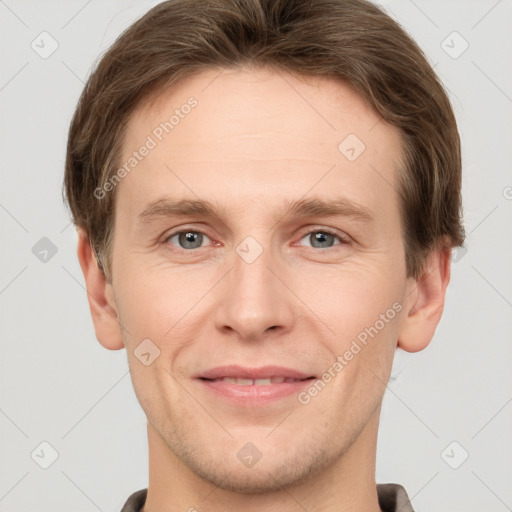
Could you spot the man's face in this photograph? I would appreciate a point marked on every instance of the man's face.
(260, 284)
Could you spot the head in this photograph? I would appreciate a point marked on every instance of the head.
(264, 183)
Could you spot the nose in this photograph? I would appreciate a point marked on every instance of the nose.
(254, 301)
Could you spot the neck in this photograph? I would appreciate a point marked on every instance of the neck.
(347, 484)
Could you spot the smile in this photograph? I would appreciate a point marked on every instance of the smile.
(241, 381)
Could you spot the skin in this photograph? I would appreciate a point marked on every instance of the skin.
(258, 138)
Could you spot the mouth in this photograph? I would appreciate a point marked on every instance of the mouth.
(252, 387)
(241, 381)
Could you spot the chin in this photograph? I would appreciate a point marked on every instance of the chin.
(253, 481)
(271, 473)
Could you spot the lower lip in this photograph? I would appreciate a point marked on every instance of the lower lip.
(254, 394)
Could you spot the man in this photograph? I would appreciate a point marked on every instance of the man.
(267, 193)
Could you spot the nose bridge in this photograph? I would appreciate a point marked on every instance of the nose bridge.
(254, 299)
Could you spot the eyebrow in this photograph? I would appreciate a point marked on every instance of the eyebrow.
(306, 207)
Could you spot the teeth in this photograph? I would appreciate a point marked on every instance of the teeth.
(244, 382)
(262, 382)
(256, 382)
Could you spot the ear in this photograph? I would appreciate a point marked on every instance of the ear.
(425, 301)
(100, 296)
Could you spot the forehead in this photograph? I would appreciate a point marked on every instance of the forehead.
(263, 103)
(253, 130)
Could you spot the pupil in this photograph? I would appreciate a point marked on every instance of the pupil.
(321, 238)
(190, 239)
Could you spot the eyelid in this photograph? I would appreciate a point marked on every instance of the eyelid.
(341, 236)
(184, 229)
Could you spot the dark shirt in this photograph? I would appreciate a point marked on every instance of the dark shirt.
(392, 498)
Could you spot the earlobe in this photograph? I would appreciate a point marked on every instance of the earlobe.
(426, 302)
(99, 296)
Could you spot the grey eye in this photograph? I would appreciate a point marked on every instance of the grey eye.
(321, 239)
(188, 239)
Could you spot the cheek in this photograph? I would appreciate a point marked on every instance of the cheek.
(156, 304)
(363, 309)
(162, 307)
(351, 298)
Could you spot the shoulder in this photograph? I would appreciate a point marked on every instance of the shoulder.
(393, 498)
(135, 502)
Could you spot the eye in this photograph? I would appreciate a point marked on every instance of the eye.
(193, 239)
(188, 239)
(323, 239)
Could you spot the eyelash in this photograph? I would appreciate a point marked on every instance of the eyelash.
(343, 240)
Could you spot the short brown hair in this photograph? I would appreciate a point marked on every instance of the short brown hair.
(352, 40)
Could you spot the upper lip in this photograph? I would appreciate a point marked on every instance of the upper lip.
(263, 372)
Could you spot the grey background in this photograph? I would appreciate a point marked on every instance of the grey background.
(60, 386)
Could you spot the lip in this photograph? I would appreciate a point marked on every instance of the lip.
(253, 395)
(263, 372)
